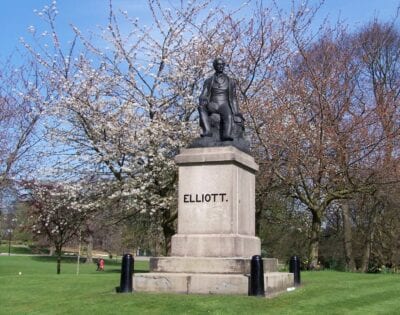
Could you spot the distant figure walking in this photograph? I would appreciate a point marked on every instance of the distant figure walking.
(100, 265)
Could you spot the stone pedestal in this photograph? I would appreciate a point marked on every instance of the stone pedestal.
(216, 228)
(216, 208)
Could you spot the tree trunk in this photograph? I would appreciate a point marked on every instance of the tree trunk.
(89, 250)
(168, 233)
(395, 250)
(168, 229)
(367, 249)
(314, 240)
(370, 237)
(366, 254)
(348, 238)
(51, 251)
(58, 253)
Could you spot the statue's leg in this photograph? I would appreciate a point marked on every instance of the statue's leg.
(227, 122)
(204, 122)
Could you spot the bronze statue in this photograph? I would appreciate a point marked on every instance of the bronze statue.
(219, 97)
(220, 120)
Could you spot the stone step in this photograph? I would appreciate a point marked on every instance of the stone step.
(277, 282)
(208, 265)
(195, 283)
(215, 245)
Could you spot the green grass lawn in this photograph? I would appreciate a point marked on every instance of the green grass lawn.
(22, 249)
(38, 290)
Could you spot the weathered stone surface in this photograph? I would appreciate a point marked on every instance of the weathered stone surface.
(191, 283)
(215, 245)
(225, 155)
(216, 207)
(218, 284)
(270, 264)
(216, 229)
(195, 283)
(208, 265)
(277, 282)
(160, 282)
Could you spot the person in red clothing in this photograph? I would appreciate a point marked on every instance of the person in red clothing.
(101, 264)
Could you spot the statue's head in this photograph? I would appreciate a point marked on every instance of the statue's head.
(219, 65)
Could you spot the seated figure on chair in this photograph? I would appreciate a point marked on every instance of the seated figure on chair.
(219, 97)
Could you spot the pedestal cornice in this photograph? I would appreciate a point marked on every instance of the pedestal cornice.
(216, 155)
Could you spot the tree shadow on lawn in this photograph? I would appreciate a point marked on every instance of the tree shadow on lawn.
(24, 249)
(64, 259)
(114, 266)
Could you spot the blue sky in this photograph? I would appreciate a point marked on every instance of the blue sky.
(17, 15)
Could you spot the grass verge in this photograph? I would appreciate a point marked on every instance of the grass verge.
(40, 291)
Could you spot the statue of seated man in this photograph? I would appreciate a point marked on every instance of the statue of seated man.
(219, 97)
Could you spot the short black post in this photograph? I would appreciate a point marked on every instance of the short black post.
(126, 274)
(257, 276)
(294, 267)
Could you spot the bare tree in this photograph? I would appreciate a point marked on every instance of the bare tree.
(319, 133)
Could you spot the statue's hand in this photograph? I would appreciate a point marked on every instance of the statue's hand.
(238, 118)
(203, 102)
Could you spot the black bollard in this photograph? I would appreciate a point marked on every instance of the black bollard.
(257, 277)
(294, 267)
(126, 274)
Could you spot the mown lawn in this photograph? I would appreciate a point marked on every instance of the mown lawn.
(38, 290)
(22, 249)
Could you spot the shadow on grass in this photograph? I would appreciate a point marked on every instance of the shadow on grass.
(22, 249)
(111, 266)
(64, 259)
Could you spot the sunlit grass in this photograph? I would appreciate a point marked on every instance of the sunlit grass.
(38, 290)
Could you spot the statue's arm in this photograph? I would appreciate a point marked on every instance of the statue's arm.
(203, 99)
(237, 116)
(235, 106)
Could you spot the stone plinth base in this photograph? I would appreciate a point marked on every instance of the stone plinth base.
(205, 275)
(189, 283)
(215, 245)
(208, 265)
(277, 282)
(197, 283)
